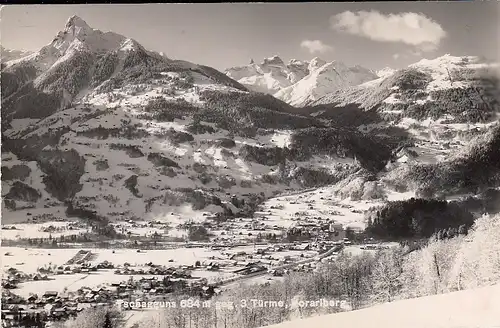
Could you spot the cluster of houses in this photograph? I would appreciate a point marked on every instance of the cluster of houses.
(36, 310)
(314, 229)
(304, 228)
(154, 269)
(54, 306)
(68, 227)
(13, 277)
(85, 267)
(44, 217)
(131, 227)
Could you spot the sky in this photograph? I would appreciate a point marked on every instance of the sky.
(373, 35)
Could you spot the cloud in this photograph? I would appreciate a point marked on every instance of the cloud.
(315, 46)
(414, 29)
(396, 56)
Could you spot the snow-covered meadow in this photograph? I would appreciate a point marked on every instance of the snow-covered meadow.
(465, 309)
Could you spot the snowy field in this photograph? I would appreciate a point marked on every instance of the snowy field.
(475, 308)
(40, 230)
(29, 260)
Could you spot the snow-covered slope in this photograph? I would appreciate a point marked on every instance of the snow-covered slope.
(299, 81)
(465, 309)
(385, 72)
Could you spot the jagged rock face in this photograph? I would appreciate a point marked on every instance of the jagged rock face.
(94, 123)
(273, 61)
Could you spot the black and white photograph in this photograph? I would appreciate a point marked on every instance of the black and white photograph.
(247, 165)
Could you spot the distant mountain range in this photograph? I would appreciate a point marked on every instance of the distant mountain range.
(7, 54)
(299, 81)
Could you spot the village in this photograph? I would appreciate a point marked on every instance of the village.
(55, 268)
(104, 276)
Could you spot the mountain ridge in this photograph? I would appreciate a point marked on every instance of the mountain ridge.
(298, 81)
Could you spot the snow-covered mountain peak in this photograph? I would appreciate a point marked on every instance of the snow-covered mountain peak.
(274, 60)
(316, 63)
(131, 44)
(77, 37)
(270, 76)
(385, 72)
(334, 65)
(324, 77)
(77, 22)
(299, 81)
(96, 40)
(445, 61)
(297, 62)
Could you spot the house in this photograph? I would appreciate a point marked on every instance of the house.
(261, 251)
(213, 267)
(32, 298)
(49, 308)
(250, 268)
(336, 231)
(48, 294)
(302, 247)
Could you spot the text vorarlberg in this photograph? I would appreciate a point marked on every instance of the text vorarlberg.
(243, 303)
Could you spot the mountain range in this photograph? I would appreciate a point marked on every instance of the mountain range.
(95, 125)
(7, 54)
(299, 81)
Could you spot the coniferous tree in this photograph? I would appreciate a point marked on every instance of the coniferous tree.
(107, 321)
(462, 230)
